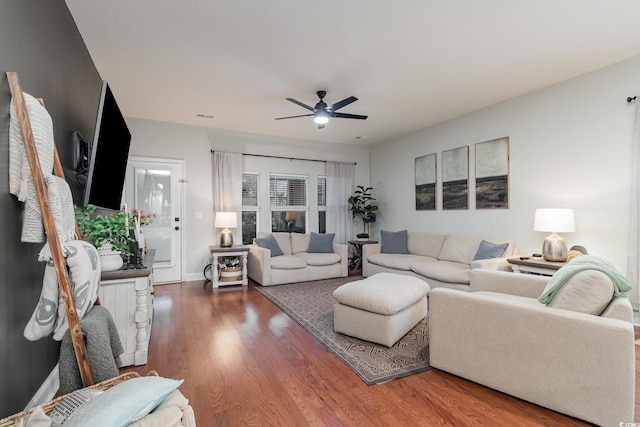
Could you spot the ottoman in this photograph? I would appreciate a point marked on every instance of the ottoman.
(381, 308)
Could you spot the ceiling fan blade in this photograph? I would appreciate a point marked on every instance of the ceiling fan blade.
(293, 117)
(349, 116)
(300, 104)
(343, 103)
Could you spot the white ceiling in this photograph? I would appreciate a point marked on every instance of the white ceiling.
(411, 63)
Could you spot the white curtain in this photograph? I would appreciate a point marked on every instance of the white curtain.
(633, 262)
(339, 188)
(227, 188)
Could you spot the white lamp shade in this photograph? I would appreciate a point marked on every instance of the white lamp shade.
(554, 221)
(226, 220)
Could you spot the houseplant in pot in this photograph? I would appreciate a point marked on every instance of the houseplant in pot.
(362, 206)
(108, 233)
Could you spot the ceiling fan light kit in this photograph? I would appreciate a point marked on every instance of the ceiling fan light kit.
(322, 112)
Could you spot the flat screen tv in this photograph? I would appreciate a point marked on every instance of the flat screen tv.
(108, 154)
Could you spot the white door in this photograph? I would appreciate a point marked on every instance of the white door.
(155, 187)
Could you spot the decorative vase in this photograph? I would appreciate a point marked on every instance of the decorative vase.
(110, 260)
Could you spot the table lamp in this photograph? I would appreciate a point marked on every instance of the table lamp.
(226, 220)
(554, 221)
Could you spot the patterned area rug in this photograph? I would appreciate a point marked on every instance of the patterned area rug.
(310, 304)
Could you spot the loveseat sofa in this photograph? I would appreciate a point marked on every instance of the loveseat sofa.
(577, 361)
(296, 257)
(440, 260)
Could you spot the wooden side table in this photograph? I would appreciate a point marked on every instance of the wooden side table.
(239, 251)
(536, 265)
(356, 261)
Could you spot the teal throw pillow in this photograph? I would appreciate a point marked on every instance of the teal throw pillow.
(490, 250)
(124, 403)
(394, 242)
(269, 242)
(321, 243)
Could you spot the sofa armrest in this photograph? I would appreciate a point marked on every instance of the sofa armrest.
(259, 264)
(559, 359)
(342, 249)
(492, 264)
(525, 285)
(367, 250)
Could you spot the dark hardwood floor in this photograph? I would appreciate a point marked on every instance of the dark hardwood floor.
(245, 362)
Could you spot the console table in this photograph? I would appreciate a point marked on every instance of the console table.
(536, 265)
(238, 251)
(128, 295)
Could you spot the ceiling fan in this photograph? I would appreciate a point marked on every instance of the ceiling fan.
(322, 112)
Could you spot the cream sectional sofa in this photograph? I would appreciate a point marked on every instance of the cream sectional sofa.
(563, 355)
(440, 260)
(295, 264)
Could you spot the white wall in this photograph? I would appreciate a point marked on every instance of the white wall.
(194, 144)
(570, 147)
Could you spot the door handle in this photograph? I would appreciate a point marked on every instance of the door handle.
(177, 228)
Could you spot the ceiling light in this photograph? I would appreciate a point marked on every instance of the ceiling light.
(321, 118)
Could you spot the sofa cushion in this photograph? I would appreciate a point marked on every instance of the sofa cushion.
(460, 249)
(299, 242)
(425, 244)
(288, 262)
(319, 258)
(269, 242)
(588, 291)
(321, 243)
(382, 293)
(488, 250)
(394, 242)
(398, 261)
(444, 271)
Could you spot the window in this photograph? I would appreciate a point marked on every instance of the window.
(322, 204)
(288, 201)
(250, 187)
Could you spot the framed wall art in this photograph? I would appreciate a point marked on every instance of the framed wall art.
(426, 177)
(492, 174)
(455, 178)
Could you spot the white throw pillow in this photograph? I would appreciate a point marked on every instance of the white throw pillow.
(589, 291)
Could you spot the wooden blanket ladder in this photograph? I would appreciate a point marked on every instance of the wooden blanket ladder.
(59, 262)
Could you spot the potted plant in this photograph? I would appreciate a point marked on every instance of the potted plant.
(362, 205)
(109, 234)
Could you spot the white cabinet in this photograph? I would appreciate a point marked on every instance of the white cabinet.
(128, 295)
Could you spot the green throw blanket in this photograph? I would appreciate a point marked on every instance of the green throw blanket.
(582, 263)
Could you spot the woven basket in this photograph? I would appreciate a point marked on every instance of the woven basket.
(49, 406)
(231, 274)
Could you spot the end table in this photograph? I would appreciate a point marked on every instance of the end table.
(356, 260)
(238, 251)
(534, 265)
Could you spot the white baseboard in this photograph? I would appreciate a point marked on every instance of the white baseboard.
(192, 277)
(47, 390)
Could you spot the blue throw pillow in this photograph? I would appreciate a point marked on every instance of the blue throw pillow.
(321, 243)
(270, 243)
(394, 242)
(490, 250)
(124, 403)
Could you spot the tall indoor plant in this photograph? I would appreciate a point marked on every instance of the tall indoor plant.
(362, 205)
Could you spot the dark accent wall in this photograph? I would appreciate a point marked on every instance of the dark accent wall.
(40, 41)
